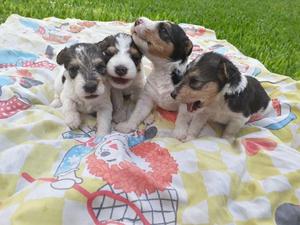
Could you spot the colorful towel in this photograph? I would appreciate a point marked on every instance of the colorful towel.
(50, 175)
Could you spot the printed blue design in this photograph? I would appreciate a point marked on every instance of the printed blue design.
(72, 159)
(282, 123)
(16, 57)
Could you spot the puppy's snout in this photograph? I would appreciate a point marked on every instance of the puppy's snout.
(90, 87)
(121, 70)
(138, 22)
(174, 94)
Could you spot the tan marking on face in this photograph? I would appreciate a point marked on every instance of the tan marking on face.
(75, 62)
(134, 51)
(111, 50)
(157, 46)
(206, 94)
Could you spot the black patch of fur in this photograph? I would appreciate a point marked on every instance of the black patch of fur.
(176, 76)
(107, 42)
(249, 101)
(63, 79)
(175, 34)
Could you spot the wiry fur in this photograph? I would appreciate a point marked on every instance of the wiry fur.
(168, 47)
(83, 87)
(124, 68)
(212, 88)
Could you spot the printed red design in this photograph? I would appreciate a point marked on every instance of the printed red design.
(13, 105)
(254, 145)
(131, 178)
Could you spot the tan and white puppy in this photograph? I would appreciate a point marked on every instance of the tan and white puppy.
(168, 47)
(125, 73)
(212, 88)
(83, 87)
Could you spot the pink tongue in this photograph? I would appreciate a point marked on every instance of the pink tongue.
(189, 107)
(120, 80)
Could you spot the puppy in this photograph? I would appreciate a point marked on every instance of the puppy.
(83, 87)
(212, 88)
(124, 68)
(168, 47)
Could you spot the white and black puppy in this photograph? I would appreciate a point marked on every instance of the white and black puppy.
(168, 47)
(83, 87)
(212, 88)
(124, 68)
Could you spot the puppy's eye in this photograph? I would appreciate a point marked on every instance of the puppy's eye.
(136, 57)
(195, 84)
(73, 70)
(108, 53)
(100, 68)
(164, 30)
(164, 34)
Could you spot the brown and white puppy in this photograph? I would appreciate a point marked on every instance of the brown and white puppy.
(212, 88)
(124, 68)
(168, 47)
(83, 87)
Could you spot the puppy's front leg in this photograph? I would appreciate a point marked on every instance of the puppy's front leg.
(104, 117)
(198, 122)
(233, 128)
(71, 115)
(182, 123)
(142, 110)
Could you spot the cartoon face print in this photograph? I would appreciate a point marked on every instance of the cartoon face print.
(113, 150)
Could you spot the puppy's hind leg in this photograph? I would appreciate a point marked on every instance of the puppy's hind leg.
(232, 128)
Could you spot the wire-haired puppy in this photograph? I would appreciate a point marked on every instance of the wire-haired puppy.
(124, 68)
(168, 47)
(83, 87)
(212, 88)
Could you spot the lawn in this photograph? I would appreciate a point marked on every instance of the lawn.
(268, 30)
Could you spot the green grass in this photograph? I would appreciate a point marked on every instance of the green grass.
(268, 30)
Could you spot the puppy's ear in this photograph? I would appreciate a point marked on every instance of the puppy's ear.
(188, 47)
(106, 42)
(228, 71)
(63, 57)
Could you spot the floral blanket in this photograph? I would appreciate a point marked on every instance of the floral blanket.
(51, 175)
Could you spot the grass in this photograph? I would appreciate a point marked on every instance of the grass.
(267, 30)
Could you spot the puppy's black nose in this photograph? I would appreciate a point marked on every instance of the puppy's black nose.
(90, 87)
(173, 94)
(138, 22)
(121, 70)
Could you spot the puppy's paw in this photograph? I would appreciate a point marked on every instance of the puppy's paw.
(124, 127)
(56, 103)
(179, 134)
(189, 137)
(149, 120)
(119, 116)
(229, 138)
(73, 120)
(101, 132)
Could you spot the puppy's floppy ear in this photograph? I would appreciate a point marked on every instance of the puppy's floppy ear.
(188, 47)
(63, 57)
(228, 71)
(106, 42)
